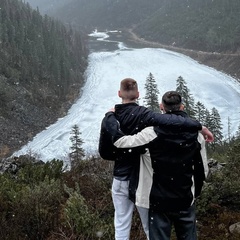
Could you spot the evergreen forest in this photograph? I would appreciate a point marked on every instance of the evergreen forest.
(42, 63)
(207, 25)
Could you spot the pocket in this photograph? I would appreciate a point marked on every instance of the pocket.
(120, 187)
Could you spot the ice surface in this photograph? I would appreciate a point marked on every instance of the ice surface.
(104, 73)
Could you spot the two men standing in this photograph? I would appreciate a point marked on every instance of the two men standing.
(163, 178)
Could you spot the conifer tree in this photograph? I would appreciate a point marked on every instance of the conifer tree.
(151, 97)
(77, 152)
(238, 133)
(200, 112)
(187, 98)
(215, 126)
(229, 129)
(209, 120)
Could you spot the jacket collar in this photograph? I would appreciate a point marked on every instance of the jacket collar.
(123, 105)
(181, 113)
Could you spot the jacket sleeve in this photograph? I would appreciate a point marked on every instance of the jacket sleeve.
(106, 148)
(109, 134)
(171, 121)
(140, 139)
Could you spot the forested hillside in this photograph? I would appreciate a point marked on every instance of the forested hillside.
(41, 63)
(205, 25)
(206, 30)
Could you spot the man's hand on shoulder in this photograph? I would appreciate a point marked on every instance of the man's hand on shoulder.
(208, 136)
(112, 109)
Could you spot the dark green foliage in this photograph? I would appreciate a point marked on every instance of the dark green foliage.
(151, 96)
(77, 152)
(203, 25)
(187, 98)
(218, 206)
(31, 201)
(222, 187)
(211, 120)
(38, 51)
(42, 64)
(228, 182)
(42, 201)
(214, 123)
(200, 113)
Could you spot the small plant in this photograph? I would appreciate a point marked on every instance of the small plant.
(77, 152)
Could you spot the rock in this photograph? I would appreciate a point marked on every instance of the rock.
(12, 165)
(235, 228)
(214, 165)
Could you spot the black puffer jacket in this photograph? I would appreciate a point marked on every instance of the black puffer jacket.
(174, 159)
(133, 118)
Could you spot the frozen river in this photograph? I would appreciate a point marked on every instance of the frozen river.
(105, 71)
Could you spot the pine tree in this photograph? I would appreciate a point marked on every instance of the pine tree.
(187, 98)
(151, 97)
(215, 126)
(77, 152)
(238, 133)
(200, 113)
(229, 129)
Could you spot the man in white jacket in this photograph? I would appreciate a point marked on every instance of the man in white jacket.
(171, 173)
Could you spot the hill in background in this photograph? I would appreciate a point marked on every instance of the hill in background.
(205, 25)
(41, 67)
(205, 30)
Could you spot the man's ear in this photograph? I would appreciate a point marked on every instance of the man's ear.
(119, 94)
(161, 107)
(137, 95)
(181, 107)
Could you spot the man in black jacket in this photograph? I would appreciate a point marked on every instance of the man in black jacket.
(133, 118)
(171, 174)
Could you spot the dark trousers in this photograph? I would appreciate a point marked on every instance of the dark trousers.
(184, 223)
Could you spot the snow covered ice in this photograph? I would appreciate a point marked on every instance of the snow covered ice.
(105, 71)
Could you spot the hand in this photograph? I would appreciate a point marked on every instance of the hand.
(112, 109)
(208, 136)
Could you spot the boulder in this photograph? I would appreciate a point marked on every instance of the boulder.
(235, 228)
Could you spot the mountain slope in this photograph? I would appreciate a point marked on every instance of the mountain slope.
(203, 25)
(41, 67)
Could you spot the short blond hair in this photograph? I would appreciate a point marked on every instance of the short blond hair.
(129, 89)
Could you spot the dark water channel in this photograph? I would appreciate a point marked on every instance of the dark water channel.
(111, 43)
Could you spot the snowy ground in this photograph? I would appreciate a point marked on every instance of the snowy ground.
(106, 70)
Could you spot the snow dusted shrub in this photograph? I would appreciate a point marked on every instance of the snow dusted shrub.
(223, 186)
(228, 186)
(30, 202)
(84, 222)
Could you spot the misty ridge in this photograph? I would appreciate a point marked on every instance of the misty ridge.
(202, 25)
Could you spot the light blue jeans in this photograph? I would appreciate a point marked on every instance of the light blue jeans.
(124, 211)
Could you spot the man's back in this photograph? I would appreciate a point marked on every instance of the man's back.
(173, 157)
(133, 118)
